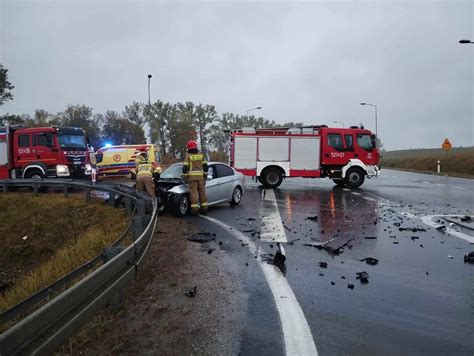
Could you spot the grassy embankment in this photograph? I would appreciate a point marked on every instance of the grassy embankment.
(45, 237)
(459, 161)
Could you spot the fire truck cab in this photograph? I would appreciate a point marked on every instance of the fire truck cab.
(44, 152)
(346, 156)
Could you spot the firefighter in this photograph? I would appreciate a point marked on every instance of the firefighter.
(145, 173)
(195, 173)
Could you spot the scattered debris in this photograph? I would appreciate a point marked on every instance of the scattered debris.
(220, 243)
(210, 251)
(321, 274)
(370, 237)
(466, 218)
(412, 229)
(251, 219)
(342, 277)
(191, 293)
(363, 277)
(370, 261)
(451, 257)
(323, 264)
(280, 256)
(350, 286)
(202, 237)
(414, 238)
(441, 228)
(427, 273)
(247, 231)
(313, 218)
(318, 244)
(469, 258)
(24, 237)
(395, 242)
(332, 283)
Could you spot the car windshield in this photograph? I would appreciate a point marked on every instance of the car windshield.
(72, 141)
(175, 171)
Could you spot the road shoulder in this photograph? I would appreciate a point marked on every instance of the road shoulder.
(155, 316)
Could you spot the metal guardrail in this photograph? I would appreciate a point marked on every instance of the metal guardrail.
(47, 328)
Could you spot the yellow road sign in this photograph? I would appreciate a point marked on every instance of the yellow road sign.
(446, 144)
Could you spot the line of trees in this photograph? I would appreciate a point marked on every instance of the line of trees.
(170, 125)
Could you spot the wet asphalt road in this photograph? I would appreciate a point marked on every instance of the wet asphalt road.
(418, 300)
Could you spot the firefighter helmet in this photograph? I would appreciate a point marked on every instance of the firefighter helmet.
(143, 156)
(191, 145)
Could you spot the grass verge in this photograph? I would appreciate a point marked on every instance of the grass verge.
(459, 162)
(46, 237)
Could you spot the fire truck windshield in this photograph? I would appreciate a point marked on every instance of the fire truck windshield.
(68, 141)
(365, 142)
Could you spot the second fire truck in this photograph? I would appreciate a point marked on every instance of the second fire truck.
(346, 156)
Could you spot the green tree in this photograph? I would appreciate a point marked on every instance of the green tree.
(203, 118)
(121, 131)
(181, 128)
(134, 113)
(5, 86)
(156, 115)
(81, 116)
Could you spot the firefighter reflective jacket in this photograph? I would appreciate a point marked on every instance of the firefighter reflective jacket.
(142, 167)
(195, 167)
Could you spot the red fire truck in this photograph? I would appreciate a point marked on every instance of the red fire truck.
(43, 152)
(346, 156)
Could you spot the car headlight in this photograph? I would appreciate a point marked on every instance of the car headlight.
(62, 170)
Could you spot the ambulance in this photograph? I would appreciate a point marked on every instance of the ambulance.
(119, 161)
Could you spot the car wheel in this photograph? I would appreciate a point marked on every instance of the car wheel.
(236, 196)
(354, 178)
(271, 178)
(181, 205)
(339, 182)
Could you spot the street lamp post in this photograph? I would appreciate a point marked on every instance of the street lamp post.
(375, 106)
(149, 78)
(340, 122)
(257, 108)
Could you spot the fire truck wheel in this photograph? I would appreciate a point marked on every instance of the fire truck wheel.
(181, 205)
(339, 182)
(34, 174)
(354, 178)
(271, 177)
(236, 196)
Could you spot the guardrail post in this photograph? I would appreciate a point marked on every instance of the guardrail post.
(35, 188)
(111, 199)
(88, 195)
(137, 226)
(128, 204)
(5, 188)
(66, 191)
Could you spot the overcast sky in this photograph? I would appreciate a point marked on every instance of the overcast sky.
(301, 61)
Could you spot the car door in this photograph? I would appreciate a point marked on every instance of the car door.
(226, 176)
(212, 186)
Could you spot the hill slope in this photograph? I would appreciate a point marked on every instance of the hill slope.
(458, 162)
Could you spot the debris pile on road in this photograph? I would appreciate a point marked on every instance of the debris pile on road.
(323, 264)
(191, 293)
(363, 277)
(202, 237)
(469, 258)
(370, 261)
(313, 218)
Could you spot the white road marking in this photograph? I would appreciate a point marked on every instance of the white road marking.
(355, 193)
(424, 181)
(460, 188)
(369, 199)
(296, 331)
(441, 184)
(428, 220)
(272, 229)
